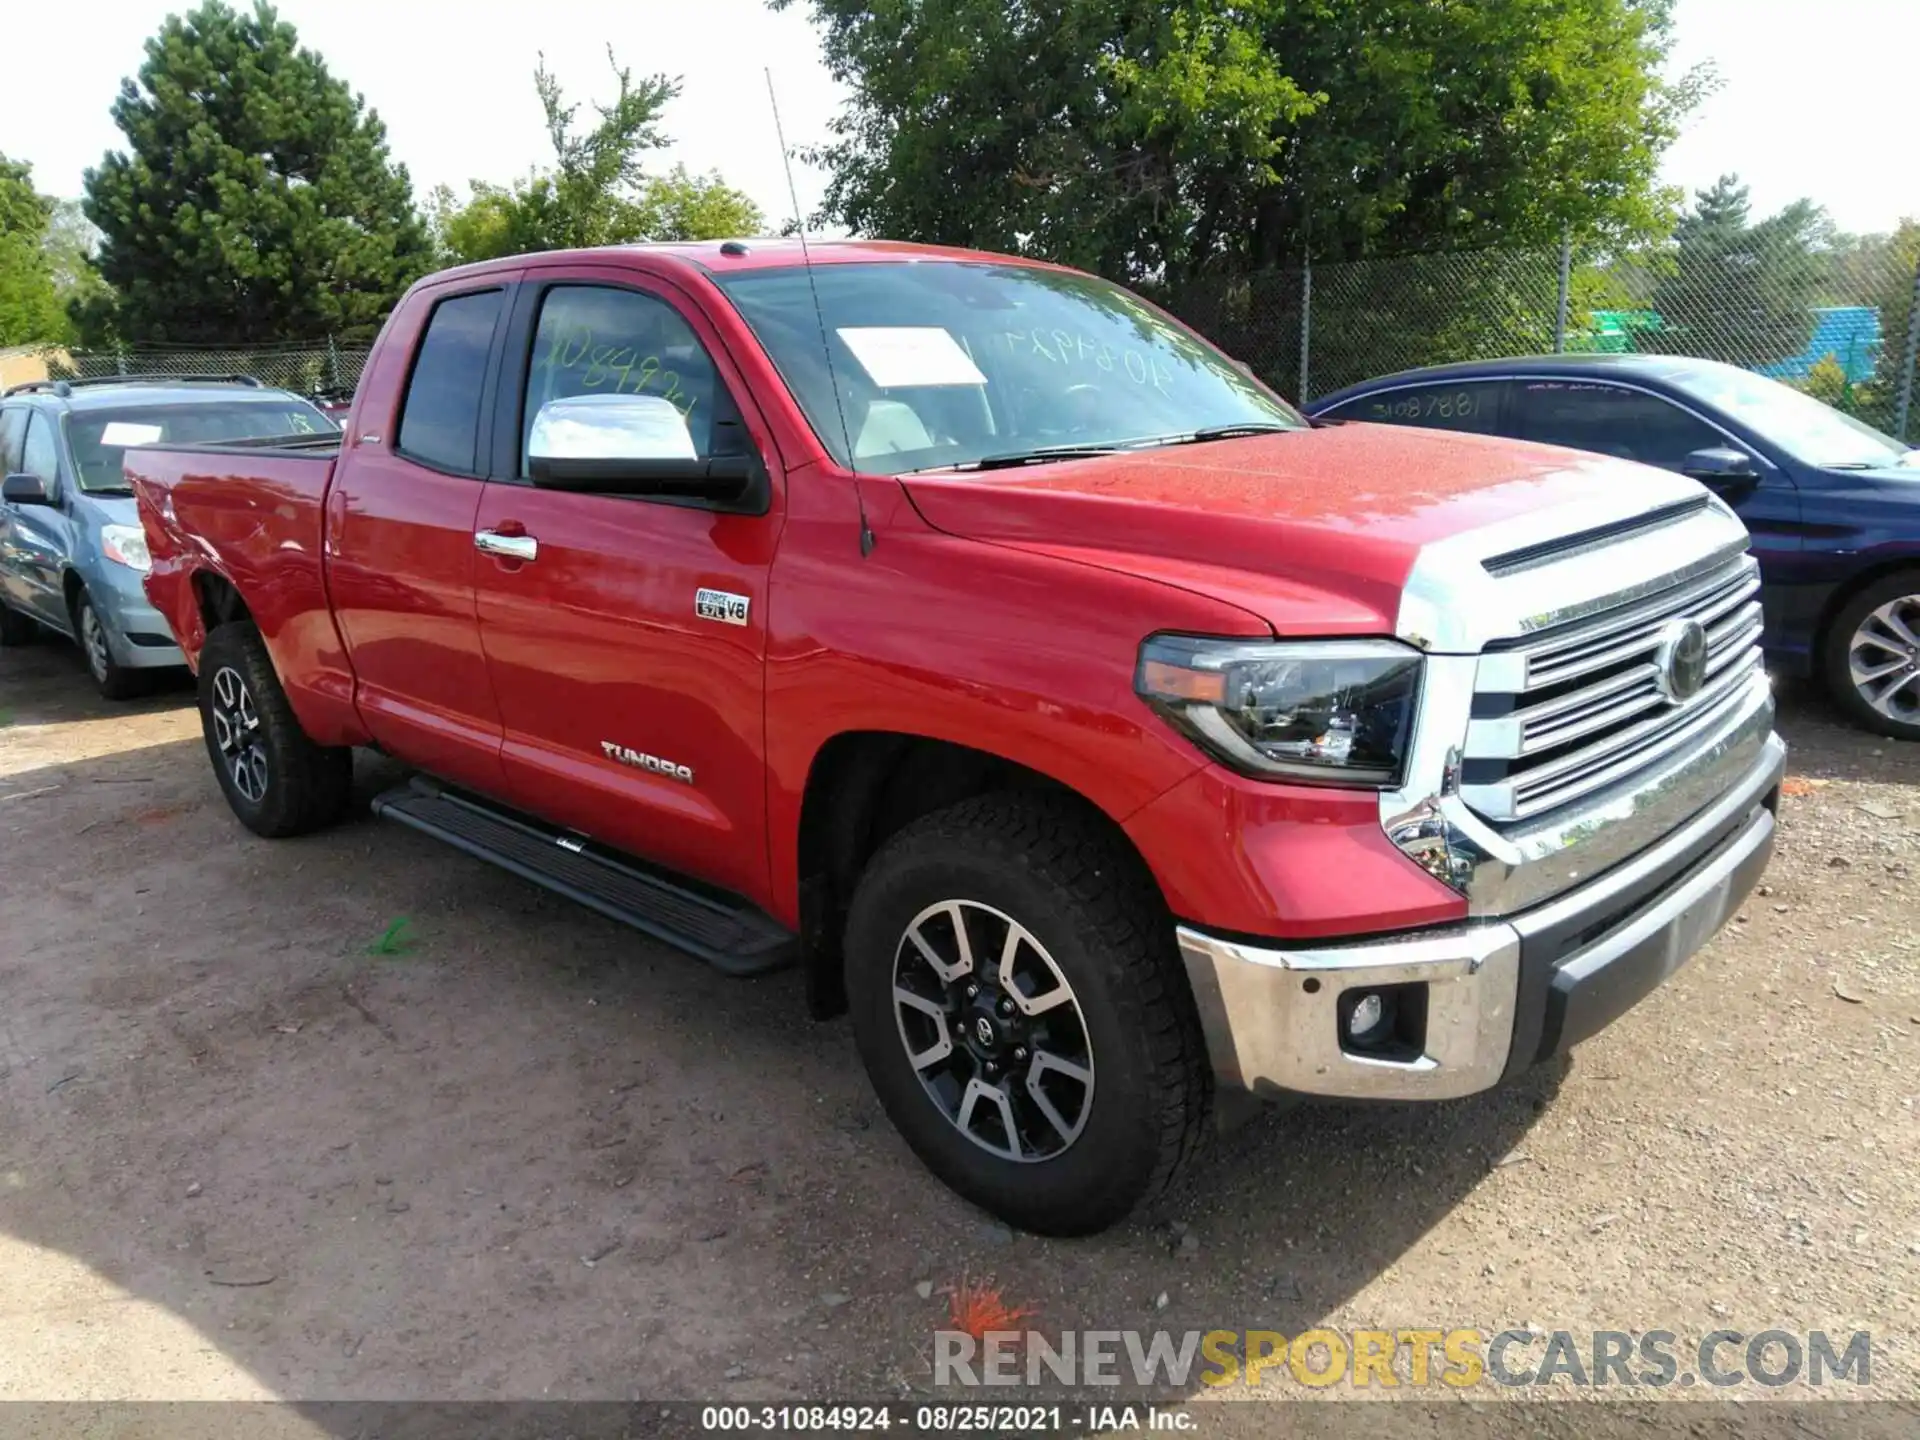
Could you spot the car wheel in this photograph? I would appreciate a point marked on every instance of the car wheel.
(277, 780)
(16, 629)
(1021, 1010)
(116, 682)
(1873, 656)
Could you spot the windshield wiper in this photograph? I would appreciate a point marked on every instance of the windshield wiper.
(1015, 458)
(1230, 432)
(1047, 453)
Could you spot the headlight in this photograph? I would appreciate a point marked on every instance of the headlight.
(1329, 712)
(126, 545)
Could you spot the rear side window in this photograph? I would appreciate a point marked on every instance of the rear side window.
(1463, 405)
(1610, 420)
(41, 455)
(13, 438)
(440, 419)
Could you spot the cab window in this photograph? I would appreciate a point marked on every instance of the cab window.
(1471, 405)
(440, 417)
(597, 340)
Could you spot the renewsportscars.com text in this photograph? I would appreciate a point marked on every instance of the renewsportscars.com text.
(1387, 1359)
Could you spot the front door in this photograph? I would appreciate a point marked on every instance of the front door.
(1638, 425)
(35, 540)
(627, 638)
(400, 522)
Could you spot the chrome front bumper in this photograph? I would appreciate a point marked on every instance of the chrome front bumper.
(1499, 994)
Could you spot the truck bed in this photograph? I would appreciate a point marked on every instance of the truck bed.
(248, 517)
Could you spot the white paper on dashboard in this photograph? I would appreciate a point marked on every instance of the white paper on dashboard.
(125, 432)
(911, 355)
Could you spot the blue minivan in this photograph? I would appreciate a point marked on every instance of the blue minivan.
(72, 553)
(1833, 505)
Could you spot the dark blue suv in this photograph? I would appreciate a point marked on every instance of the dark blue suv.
(1833, 505)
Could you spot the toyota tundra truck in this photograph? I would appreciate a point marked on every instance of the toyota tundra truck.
(968, 633)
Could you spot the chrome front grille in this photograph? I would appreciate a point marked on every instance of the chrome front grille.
(1569, 712)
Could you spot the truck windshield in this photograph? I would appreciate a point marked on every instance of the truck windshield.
(100, 438)
(1810, 430)
(943, 363)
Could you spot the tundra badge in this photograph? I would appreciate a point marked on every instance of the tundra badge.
(641, 761)
(721, 605)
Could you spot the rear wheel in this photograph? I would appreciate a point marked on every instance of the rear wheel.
(277, 780)
(1873, 656)
(1022, 1013)
(116, 681)
(16, 629)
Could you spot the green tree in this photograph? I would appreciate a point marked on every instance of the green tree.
(597, 191)
(1742, 291)
(256, 200)
(30, 306)
(1164, 141)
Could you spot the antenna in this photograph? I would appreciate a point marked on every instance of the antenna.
(820, 314)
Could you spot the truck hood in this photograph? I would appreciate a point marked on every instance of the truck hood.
(1314, 530)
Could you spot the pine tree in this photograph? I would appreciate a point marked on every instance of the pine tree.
(255, 200)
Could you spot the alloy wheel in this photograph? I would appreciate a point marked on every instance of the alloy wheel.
(93, 639)
(1883, 659)
(993, 1030)
(236, 731)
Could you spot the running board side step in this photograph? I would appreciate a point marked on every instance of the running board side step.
(732, 936)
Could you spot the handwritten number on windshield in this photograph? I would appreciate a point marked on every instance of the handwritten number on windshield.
(620, 368)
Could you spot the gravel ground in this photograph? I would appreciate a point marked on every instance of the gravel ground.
(248, 1151)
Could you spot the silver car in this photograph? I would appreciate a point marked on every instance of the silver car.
(72, 553)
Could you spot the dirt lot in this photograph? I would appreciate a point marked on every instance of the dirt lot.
(529, 1154)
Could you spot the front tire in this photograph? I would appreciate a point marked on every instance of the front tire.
(1872, 659)
(116, 681)
(1022, 1013)
(277, 781)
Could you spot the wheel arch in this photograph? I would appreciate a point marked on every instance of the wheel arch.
(863, 787)
(1844, 595)
(218, 600)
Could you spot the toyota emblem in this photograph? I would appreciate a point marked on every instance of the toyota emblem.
(983, 1028)
(1682, 660)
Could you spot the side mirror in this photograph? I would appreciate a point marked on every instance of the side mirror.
(1720, 465)
(629, 445)
(25, 489)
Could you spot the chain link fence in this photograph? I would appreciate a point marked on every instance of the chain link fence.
(1840, 319)
(1836, 316)
(325, 367)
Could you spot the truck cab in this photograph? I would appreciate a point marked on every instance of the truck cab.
(974, 636)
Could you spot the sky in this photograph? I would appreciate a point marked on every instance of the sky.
(1817, 96)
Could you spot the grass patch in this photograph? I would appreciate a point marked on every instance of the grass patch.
(394, 940)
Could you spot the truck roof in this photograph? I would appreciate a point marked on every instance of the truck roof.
(719, 257)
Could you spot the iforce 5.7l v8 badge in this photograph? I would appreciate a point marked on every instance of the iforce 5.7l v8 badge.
(721, 605)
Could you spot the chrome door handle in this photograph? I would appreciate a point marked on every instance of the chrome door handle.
(508, 547)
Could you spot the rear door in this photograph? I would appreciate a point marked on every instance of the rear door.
(633, 712)
(1477, 406)
(400, 523)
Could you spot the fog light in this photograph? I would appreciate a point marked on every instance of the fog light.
(1367, 1013)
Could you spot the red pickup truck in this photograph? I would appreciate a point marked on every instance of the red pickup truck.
(971, 634)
